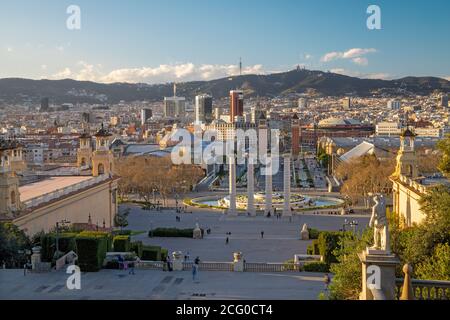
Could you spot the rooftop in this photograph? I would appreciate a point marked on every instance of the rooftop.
(39, 188)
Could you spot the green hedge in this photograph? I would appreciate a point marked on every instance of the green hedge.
(91, 249)
(137, 247)
(313, 248)
(316, 267)
(121, 243)
(151, 253)
(313, 233)
(164, 254)
(66, 243)
(172, 232)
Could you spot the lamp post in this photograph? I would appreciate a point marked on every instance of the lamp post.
(62, 222)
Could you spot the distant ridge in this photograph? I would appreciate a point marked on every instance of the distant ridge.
(16, 90)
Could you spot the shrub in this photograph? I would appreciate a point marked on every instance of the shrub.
(121, 243)
(137, 247)
(164, 254)
(328, 242)
(91, 249)
(313, 248)
(151, 253)
(172, 232)
(316, 267)
(313, 233)
(66, 243)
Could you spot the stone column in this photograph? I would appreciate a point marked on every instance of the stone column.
(378, 270)
(232, 174)
(251, 188)
(177, 261)
(268, 178)
(238, 262)
(287, 186)
(35, 257)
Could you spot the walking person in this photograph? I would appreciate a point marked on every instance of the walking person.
(195, 268)
(262, 234)
(326, 280)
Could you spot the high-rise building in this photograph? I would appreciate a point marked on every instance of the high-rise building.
(236, 104)
(394, 104)
(203, 108)
(347, 103)
(302, 103)
(217, 113)
(44, 104)
(444, 101)
(295, 130)
(145, 115)
(174, 106)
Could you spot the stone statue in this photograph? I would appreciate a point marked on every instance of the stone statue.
(379, 222)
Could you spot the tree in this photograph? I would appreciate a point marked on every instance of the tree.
(12, 239)
(121, 218)
(444, 146)
(148, 174)
(364, 176)
(347, 282)
(436, 267)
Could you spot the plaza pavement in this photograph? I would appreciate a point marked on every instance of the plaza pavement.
(150, 284)
(280, 243)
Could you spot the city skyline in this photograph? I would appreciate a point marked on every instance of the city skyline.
(200, 40)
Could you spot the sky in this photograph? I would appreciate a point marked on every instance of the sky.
(152, 41)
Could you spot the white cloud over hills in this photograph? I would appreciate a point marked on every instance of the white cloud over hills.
(160, 74)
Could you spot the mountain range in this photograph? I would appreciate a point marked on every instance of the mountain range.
(299, 81)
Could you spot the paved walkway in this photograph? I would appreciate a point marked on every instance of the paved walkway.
(280, 243)
(149, 284)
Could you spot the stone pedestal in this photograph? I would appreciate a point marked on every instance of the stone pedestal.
(232, 211)
(238, 262)
(304, 234)
(251, 189)
(177, 261)
(287, 186)
(268, 178)
(386, 262)
(197, 234)
(35, 257)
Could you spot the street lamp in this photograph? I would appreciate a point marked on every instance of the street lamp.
(63, 223)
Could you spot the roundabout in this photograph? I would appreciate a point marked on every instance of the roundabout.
(298, 201)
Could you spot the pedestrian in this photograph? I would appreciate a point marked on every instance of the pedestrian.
(262, 234)
(326, 280)
(227, 240)
(120, 260)
(195, 268)
(131, 266)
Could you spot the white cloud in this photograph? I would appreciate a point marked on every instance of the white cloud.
(355, 54)
(63, 74)
(160, 74)
(361, 61)
(350, 73)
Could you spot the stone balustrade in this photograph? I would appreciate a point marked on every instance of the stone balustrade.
(34, 202)
(227, 266)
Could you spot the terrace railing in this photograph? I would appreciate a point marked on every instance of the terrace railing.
(424, 290)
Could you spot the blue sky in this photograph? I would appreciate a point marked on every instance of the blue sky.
(181, 40)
